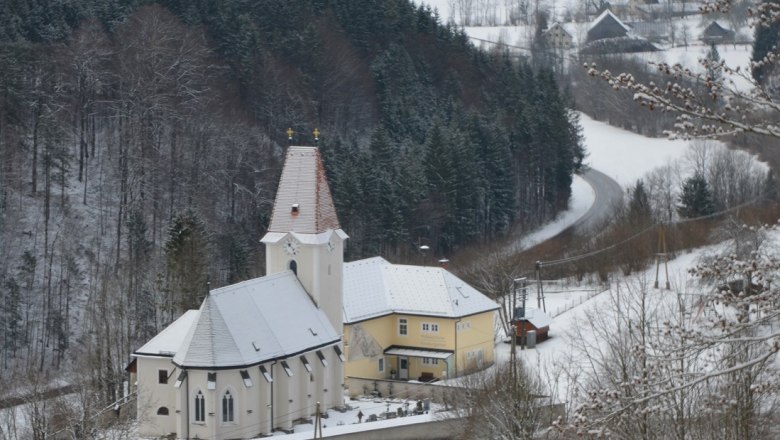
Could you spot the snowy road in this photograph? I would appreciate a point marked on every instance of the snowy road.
(607, 193)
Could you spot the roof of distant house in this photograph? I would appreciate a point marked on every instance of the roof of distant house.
(607, 25)
(374, 287)
(715, 29)
(556, 26)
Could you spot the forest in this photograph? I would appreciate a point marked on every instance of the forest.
(141, 144)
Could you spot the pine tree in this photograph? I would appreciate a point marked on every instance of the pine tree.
(639, 210)
(766, 41)
(185, 252)
(696, 197)
(713, 59)
(770, 187)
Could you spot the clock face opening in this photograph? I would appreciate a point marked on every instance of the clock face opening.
(291, 247)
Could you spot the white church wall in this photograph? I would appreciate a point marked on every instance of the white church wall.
(334, 382)
(282, 397)
(153, 396)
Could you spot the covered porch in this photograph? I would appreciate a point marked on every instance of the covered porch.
(424, 365)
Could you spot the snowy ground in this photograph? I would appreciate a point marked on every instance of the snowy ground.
(342, 423)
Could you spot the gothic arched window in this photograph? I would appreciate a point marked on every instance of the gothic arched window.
(228, 413)
(294, 267)
(200, 407)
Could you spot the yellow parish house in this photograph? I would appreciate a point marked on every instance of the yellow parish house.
(413, 323)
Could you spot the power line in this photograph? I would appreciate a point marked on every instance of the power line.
(622, 242)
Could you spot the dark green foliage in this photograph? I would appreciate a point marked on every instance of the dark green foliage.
(696, 197)
(186, 255)
(639, 209)
(157, 129)
(766, 40)
(713, 57)
(770, 187)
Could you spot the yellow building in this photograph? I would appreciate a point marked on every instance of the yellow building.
(413, 323)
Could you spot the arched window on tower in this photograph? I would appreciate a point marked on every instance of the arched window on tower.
(294, 267)
(162, 411)
(228, 413)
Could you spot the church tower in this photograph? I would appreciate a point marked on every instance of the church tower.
(305, 236)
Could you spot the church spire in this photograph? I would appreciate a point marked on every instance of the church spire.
(303, 201)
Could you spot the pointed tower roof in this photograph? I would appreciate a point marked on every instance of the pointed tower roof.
(303, 200)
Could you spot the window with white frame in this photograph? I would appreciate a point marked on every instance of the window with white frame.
(430, 327)
(430, 361)
(228, 408)
(200, 407)
(464, 325)
(381, 365)
(403, 326)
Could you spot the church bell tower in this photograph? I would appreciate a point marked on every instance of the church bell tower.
(304, 235)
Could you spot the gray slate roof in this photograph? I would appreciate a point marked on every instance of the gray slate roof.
(374, 287)
(607, 25)
(304, 183)
(252, 322)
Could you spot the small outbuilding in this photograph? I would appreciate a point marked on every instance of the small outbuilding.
(714, 33)
(532, 320)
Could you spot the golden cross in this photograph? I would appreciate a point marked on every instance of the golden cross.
(316, 134)
(290, 133)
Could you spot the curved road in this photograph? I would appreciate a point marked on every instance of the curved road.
(607, 191)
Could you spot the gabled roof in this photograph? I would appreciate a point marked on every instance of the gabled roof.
(303, 183)
(247, 324)
(556, 26)
(607, 25)
(714, 29)
(374, 287)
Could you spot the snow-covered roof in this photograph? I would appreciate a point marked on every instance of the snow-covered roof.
(415, 352)
(537, 318)
(169, 340)
(374, 287)
(608, 16)
(246, 324)
(558, 25)
(303, 201)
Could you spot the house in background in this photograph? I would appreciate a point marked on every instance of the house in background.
(259, 354)
(607, 25)
(558, 38)
(411, 322)
(714, 33)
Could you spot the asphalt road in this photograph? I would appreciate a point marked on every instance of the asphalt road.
(607, 193)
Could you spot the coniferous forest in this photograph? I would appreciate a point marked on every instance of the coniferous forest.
(141, 144)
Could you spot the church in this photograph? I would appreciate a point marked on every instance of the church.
(260, 354)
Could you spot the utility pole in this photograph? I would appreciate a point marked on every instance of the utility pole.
(540, 303)
(662, 254)
(317, 423)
